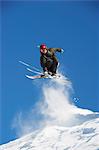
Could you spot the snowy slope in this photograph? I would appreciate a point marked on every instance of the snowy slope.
(63, 126)
(84, 136)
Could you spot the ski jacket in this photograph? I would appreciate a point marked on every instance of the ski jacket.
(49, 56)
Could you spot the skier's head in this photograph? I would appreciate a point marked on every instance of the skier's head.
(43, 48)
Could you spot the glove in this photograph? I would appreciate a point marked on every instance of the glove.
(62, 51)
(38, 46)
(46, 73)
(46, 69)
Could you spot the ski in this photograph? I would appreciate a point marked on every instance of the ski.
(33, 71)
(36, 77)
(43, 76)
(29, 66)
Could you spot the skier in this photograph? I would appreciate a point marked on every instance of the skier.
(48, 60)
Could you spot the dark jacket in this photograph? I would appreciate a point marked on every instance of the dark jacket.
(49, 57)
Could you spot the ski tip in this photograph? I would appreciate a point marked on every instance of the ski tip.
(29, 77)
(26, 75)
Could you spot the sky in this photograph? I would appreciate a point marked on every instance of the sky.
(73, 26)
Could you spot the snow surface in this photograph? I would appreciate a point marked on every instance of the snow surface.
(63, 126)
(80, 137)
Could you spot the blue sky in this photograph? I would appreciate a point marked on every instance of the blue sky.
(74, 26)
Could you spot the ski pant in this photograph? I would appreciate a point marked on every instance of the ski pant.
(50, 64)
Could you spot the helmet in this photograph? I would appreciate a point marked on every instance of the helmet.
(43, 46)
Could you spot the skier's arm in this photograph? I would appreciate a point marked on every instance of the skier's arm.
(43, 63)
(56, 49)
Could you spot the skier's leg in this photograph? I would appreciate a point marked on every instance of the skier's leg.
(53, 67)
(49, 64)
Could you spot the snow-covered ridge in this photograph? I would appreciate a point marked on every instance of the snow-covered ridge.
(63, 126)
(79, 137)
